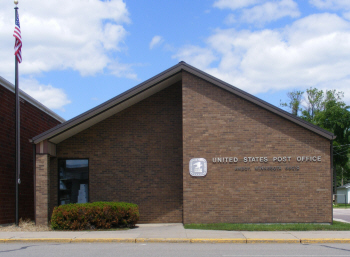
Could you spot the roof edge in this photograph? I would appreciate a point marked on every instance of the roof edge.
(30, 99)
(181, 66)
(109, 103)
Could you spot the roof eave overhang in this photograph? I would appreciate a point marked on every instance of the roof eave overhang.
(31, 100)
(72, 124)
(163, 77)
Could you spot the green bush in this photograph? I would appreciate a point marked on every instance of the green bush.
(97, 215)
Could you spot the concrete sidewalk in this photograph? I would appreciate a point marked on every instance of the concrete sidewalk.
(175, 233)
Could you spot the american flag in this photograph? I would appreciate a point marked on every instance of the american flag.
(18, 42)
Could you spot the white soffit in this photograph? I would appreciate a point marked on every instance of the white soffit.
(118, 107)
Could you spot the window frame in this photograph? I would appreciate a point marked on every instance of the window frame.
(58, 178)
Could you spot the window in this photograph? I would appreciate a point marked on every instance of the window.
(73, 181)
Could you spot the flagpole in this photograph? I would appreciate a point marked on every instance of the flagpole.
(18, 148)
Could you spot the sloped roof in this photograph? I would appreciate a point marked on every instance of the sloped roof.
(344, 186)
(150, 87)
(30, 99)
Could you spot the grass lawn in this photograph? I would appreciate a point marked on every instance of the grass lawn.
(271, 227)
(341, 205)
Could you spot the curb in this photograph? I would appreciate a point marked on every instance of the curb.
(162, 240)
(68, 240)
(325, 240)
(219, 241)
(36, 240)
(180, 240)
(103, 240)
(272, 241)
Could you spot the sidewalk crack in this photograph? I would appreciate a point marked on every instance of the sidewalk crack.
(290, 233)
(186, 233)
(246, 239)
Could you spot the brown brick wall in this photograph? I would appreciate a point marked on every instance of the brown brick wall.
(33, 122)
(217, 123)
(53, 175)
(135, 156)
(42, 184)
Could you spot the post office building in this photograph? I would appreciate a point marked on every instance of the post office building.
(188, 147)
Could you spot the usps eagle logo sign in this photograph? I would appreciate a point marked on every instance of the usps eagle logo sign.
(198, 167)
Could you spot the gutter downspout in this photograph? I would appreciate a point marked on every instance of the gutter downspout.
(332, 182)
(332, 173)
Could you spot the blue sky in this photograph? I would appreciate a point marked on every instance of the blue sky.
(78, 54)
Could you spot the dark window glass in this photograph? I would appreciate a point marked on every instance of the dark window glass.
(73, 181)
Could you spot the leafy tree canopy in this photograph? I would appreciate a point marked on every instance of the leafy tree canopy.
(294, 101)
(327, 110)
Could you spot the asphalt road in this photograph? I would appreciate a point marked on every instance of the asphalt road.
(342, 214)
(171, 249)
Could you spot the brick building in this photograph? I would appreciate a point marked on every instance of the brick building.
(188, 147)
(35, 119)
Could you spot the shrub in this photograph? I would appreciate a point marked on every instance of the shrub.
(97, 215)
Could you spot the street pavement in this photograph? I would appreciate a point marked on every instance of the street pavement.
(173, 250)
(342, 215)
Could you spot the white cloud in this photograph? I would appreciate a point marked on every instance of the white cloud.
(156, 40)
(200, 57)
(331, 4)
(63, 34)
(263, 11)
(234, 4)
(346, 15)
(230, 19)
(270, 11)
(313, 51)
(51, 97)
(122, 70)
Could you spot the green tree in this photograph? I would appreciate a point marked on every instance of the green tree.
(335, 117)
(314, 104)
(343, 175)
(294, 101)
(328, 111)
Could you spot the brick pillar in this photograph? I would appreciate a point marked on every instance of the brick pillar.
(42, 189)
